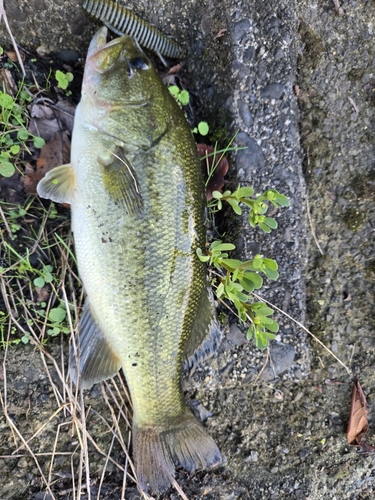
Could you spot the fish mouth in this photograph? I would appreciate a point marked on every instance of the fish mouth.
(102, 58)
(98, 41)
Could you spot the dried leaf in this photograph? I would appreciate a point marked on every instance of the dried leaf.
(6, 80)
(333, 382)
(42, 294)
(13, 55)
(217, 162)
(358, 423)
(176, 68)
(53, 153)
(64, 111)
(366, 448)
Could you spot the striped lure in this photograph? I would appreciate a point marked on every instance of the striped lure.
(123, 21)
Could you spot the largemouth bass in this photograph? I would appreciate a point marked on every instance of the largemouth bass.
(137, 200)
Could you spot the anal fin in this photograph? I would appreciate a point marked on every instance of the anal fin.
(97, 361)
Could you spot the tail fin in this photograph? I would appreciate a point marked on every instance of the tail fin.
(157, 450)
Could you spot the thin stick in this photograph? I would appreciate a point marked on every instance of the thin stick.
(14, 427)
(10, 234)
(4, 16)
(105, 466)
(41, 428)
(311, 225)
(338, 9)
(305, 329)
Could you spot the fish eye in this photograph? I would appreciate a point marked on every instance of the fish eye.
(139, 63)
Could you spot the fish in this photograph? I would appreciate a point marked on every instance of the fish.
(138, 203)
(123, 21)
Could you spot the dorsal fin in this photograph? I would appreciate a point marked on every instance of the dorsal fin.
(97, 361)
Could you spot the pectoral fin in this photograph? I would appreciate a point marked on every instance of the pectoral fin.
(97, 361)
(121, 182)
(58, 184)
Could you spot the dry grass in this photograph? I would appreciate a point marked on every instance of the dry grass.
(53, 242)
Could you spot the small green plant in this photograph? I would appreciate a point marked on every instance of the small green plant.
(56, 319)
(234, 279)
(202, 128)
(183, 99)
(181, 96)
(13, 129)
(258, 205)
(63, 80)
(44, 277)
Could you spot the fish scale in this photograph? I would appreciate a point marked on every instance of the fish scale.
(137, 199)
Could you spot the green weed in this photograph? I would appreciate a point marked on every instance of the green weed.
(63, 80)
(183, 98)
(14, 135)
(235, 280)
(34, 270)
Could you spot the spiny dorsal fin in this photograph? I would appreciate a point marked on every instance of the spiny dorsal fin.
(97, 361)
(58, 184)
(121, 182)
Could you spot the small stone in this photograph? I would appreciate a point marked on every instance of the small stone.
(240, 29)
(22, 463)
(279, 54)
(248, 54)
(204, 414)
(245, 114)
(68, 56)
(253, 457)
(303, 453)
(249, 160)
(281, 358)
(235, 336)
(272, 91)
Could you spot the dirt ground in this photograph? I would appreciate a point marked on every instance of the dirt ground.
(297, 80)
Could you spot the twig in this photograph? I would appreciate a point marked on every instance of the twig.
(311, 225)
(356, 109)
(14, 427)
(338, 9)
(4, 17)
(305, 329)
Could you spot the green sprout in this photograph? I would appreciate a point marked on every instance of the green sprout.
(13, 129)
(63, 80)
(202, 128)
(183, 98)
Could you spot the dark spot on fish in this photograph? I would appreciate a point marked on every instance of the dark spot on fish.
(104, 241)
(134, 364)
(137, 355)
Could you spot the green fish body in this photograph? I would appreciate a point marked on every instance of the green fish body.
(137, 200)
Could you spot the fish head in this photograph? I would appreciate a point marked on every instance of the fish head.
(122, 94)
